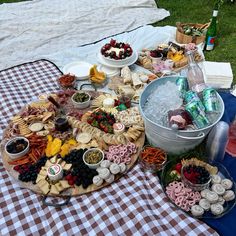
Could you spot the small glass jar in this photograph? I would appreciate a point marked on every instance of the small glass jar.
(152, 159)
(61, 124)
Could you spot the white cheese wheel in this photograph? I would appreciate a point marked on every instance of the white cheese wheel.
(108, 102)
(97, 180)
(55, 172)
(35, 127)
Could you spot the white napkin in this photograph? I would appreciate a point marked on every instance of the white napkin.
(218, 73)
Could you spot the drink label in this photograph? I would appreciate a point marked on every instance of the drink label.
(210, 43)
(215, 13)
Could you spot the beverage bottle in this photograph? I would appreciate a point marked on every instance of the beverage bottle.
(211, 32)
(194, 74)
(217, 141)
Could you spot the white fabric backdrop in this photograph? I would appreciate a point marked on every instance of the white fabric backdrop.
(29, 30)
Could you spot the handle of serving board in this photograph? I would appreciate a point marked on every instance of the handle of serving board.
(200, 136)
(60, 204)
(91, 85)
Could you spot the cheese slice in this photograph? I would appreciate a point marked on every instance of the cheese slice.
(59, 187)
(45, 189)
(54, 190)
(40, 177)
(43, 171)
(44, 186)
(64, 184)
(53, 160)
(67, 166)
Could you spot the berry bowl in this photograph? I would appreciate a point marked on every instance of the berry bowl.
(17, 147)
(195, 177)
(93, 157)
(81, 100)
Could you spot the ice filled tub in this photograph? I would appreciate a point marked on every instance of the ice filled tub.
(159, 135)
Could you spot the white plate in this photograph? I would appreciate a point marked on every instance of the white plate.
(109, 71)
(132, 60)
(78, 68)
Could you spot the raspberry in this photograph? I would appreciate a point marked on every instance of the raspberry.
(69, 177)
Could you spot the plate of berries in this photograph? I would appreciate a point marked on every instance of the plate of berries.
(200, 189)
(117, 54)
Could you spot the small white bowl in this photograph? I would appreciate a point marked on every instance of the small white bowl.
(81, 105)
(14, 156)
(93, 166)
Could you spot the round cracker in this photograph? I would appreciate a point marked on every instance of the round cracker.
(83, 137)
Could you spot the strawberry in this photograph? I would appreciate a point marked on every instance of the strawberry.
(99, 117)
(113, 42)
(90, 121)
(105, 129)
(178, 167)
(107, 46)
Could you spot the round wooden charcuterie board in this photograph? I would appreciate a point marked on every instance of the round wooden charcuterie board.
(68, 108)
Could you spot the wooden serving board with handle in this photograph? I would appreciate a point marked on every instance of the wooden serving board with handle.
(73, 191)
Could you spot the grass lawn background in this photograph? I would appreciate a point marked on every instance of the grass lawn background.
(200, 11)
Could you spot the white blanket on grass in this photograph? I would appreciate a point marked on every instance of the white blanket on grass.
(31, 30)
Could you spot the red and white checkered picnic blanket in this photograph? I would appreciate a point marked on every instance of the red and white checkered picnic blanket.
(134, 205)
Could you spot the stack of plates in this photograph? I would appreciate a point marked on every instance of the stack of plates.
(78, 68)
(109, 71)
(218, 74)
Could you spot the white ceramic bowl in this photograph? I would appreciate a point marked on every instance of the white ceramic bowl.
(93, 166)
(15, 156)
(112, 61)
(81, 105)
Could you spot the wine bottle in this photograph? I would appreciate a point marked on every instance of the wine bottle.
(211, 32)
(194, 74)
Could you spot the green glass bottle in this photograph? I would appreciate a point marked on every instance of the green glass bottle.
(211, 32)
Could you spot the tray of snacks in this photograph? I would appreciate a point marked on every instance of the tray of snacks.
(72, 142)
(131, 82)
(167, 58)
(198, 188)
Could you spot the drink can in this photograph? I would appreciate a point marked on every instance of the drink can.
(182, 84)
(210, 100)
(197, 114)
(191, 96)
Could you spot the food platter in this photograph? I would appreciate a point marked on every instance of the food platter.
(26, 124)
(211, 210)
(168, 58)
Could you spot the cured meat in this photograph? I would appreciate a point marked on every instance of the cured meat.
(179, 117)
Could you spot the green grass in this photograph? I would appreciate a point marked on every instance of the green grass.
(200, 11)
